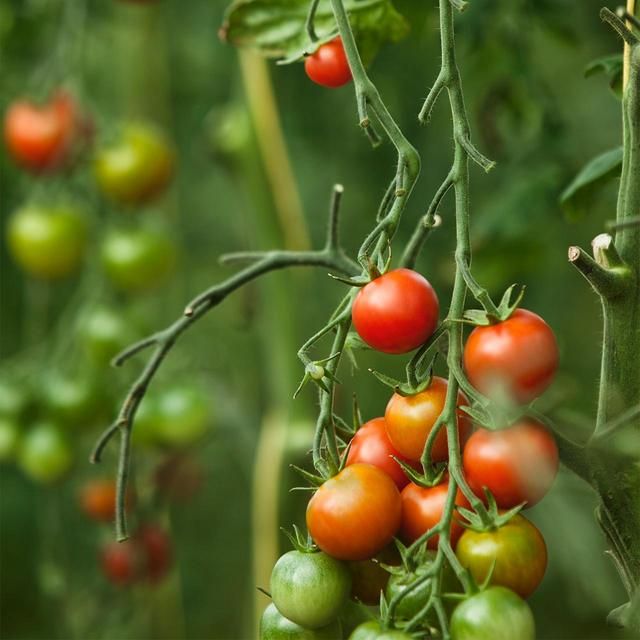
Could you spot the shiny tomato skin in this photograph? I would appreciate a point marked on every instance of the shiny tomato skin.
(274, 626)
(309, 589)
(519, 552)
(396, 312)
(48, 243)
(355, 514)
(371, 445)
(517, 464)
(410, 419)
(329, 66)
(422, 509)
(121, 562)
(493, 614)
(514, 360)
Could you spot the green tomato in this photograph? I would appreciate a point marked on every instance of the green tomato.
(13, 399)
(183, 415)
(274, 626)
(48, 242)
(73, 402)
(45, 455)
(9, 439)
(494, 614)
(372, 631)
(104, 334)
(353, 614)
(137, 166)
(146, 422)
(310, 588)
(137, 260)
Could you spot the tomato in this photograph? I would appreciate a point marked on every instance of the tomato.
(98, 500)
(45, 455)
(145, 423)
(156, 551)
(517, 465)
(183, 415)
(309, 588)
(9, 439)
(355, 514)
(104, 333)
(422, 509)
(372, 630)
(74, 402)
(369, 579)
(13, 399)
(353, 614)
(47, 242)
(514, 360)
(137, 260)
(274, 626)
(415, 599)
(44, 137)
(371, 445)
(411, 418)
(519, 552)
(137, 166)
(329, 66)
(396, 312)
(180, 477)
(494, 614)
(120, 562)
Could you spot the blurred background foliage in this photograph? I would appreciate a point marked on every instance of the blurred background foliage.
(532, 110)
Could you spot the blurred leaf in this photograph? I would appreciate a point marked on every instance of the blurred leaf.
(611, 66)
(276, 28)
(575, 199)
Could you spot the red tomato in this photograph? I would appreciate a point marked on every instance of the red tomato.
(98, 500)
(355, 514)
(517, 465)
(514, 360)
(410, 420)
(329, 66)
(121, 562)
(371, 445)
(422, 509)
(156, 550)
(396, 312)
(42, 138)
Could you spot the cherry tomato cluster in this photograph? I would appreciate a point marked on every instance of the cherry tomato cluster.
(381, 492)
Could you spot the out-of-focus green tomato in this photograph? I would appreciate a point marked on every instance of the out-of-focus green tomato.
(137, 166)
(184, 413)
(73, 402)
(45, 455)
(146, 421)
(9, 439)
(274, 626)
(13, 399)
(48, 242)
(229, 130)
(137, 260)
(104, 334)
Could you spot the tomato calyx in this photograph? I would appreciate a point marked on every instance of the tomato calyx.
(491, 314)
(433, 474)
(315, 372)
(300, 542)
(493, 519)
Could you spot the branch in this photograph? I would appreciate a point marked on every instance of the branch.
(607, 283)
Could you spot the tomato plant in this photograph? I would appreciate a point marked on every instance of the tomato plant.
(396, 312)
(156, 551)
(517, 549)
(310, 588)
(104, 332)
(355, 514)
(517, 464)
(120, 562)
(97, 500)
(514, 360)
(369, 579)
(329, 66)
(410, 419)
(372, 630)
(45, 454)
(274, 626)
(48, 242)
(183, 414)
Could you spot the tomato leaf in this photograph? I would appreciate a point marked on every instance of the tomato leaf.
(611, 67)
(276, 28)
(578, 196)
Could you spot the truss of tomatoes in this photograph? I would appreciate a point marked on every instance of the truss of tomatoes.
(354, 516)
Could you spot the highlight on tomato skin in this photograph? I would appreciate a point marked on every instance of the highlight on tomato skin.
(329, 66)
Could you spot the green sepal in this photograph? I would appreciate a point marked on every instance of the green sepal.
(358, 281)
(425, 480)
(308, 49)
(402, 388)
(483, 318)
(312, 478)
(343, 457)
(343, 427)
(264, 592)
(301, 543)
(495, 519)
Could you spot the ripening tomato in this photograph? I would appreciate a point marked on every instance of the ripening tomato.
(371, 445)
(156, 551)
(98, 500)
(396, 312)
(137, 166)
(137, 260)
(329, 66)
(514, 360)
(372, 630)
(309, 588)
(517, 464)
(369, 579)
(410, 419)
(422, 509)
(45, 455)
(493, 614)
(274, 626)
(518, 550)
(47, 242)
(121, 562)
(45, 137)
(355, 514)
